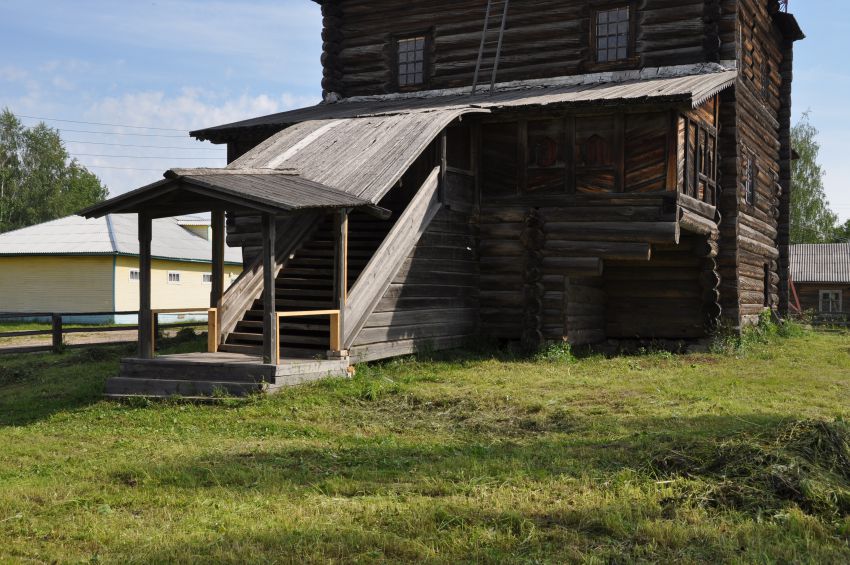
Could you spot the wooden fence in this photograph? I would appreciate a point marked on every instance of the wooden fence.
(57, 330)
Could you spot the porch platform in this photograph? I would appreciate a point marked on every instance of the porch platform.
(206, 375)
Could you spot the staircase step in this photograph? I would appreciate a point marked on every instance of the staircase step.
(183, 370)
(287, 291)
(299, 282)
(163, 388)
(256, 326)
(310, 272)
(239, 348)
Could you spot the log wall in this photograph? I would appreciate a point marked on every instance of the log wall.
(543, 38)
(433, 301)
(758, 103)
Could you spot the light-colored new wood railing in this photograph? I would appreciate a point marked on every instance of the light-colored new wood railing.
(335, 342)
(212, 324)
(390, 256)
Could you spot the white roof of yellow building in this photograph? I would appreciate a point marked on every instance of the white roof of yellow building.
(113, 234)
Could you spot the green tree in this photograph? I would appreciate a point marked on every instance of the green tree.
(841, 234)
(38, 179)
(812, 221)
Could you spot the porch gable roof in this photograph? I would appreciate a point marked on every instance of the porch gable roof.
(186, 191)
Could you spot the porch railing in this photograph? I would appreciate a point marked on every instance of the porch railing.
(212, 324)
(335, 342)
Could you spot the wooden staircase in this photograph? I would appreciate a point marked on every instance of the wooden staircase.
(306, 283)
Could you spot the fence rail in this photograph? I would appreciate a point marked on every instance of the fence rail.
(57, 330)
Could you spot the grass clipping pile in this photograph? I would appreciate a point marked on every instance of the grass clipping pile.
(805, 463)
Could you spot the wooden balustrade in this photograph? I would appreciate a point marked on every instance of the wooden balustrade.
(335, 342)
(212, 324)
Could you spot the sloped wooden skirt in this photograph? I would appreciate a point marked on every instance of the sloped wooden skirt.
(208, 375)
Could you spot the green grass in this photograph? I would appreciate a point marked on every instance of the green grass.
(739, 456)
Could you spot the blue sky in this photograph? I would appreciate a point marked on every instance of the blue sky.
(186, 64)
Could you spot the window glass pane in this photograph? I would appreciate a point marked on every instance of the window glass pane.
(612, 34)
(411, 61)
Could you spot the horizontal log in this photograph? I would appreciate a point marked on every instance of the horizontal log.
(573, 266)
(616, 250)
(644, 232)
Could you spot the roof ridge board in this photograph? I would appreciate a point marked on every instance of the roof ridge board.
(210, 171)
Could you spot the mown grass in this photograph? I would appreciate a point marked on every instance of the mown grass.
(736, 456)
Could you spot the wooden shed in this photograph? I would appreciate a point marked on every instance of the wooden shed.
(604, 172)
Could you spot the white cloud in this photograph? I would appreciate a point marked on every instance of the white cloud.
(190, 109)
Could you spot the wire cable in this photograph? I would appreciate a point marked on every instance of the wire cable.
(122, 133)
(145, 157)
(98, 123)
(145, 146)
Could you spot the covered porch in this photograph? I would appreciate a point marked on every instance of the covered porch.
(281, 198)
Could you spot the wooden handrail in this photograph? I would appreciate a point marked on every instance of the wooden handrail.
(212, 324)
(335, 337)
(388, 259)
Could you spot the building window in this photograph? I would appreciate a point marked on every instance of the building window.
(830, 301)
(700, 161)
(612, 34)
(134, 275)
(207, 278)
(750, 177)
(173, 277)
(411, 61)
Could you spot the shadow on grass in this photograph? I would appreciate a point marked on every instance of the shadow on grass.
(460, 488)
(664, 447)
(34, 386)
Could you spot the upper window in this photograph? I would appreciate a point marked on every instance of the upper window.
(173, 277)
(613, 28)
(411, 62)
(134, 275)
(207, 278)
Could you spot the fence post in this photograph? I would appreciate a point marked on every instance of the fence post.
(56, 328)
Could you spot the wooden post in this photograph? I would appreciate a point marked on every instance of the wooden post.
(336, 331)
(271, 344)
(218, 234)
(341, 259)
(212, 330)
(443, 166)
(56, 326)
(217, 290)
(145, 318)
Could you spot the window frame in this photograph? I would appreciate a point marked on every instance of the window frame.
(824, 292)
(179, 278)
(631, 43)
(138, 274)
(204, 278)
(426, 60)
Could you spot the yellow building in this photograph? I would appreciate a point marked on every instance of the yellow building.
(75, 265)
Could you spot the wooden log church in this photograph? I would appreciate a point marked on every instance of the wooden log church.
(526, 170)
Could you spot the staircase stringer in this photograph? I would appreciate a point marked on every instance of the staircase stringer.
(387, 261)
